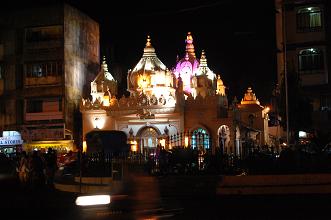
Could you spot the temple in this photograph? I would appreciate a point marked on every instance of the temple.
(185, 106)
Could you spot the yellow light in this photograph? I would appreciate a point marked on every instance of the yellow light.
(162, 142)
(84, 146)
(186, 141)
(106, 101)
(267, 109)
(93, 200)
(134, 146)
(170, 147)
(143, 81)
(98, 122)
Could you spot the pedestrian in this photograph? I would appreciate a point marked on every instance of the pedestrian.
(37, 176)
(23, 169)
(51, 166)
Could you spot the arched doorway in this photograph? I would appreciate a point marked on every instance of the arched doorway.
(224, 138)
(148, 140)
(200, 139)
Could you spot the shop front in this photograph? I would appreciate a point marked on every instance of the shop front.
(61, 146)
(10, 143)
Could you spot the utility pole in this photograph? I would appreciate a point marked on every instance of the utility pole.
(285, 70)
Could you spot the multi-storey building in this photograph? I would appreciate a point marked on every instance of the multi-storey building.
(303, 42)
(47, 53)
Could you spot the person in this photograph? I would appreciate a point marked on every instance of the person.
(51, 166)
(37, 176)
(23, 169)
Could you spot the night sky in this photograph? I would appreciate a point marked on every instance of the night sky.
(238, 37)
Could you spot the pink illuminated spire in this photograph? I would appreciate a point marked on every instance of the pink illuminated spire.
(189, 45)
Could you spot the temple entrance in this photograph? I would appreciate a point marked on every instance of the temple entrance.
(148, 141)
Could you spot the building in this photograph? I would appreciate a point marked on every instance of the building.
(304, 27)
(47, 54)
(181, 106)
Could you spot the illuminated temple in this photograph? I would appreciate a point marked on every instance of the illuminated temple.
(185, 105)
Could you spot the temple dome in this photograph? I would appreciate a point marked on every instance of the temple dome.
(149, 61)
(188, 66)
(250, 98)
(149, 71)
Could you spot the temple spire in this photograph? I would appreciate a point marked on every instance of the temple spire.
(189, 45)
(203, 59)
(104, 64)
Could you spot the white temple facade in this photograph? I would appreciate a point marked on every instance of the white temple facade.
(183, 106)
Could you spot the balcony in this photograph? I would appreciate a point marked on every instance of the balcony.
(43, 116)
(41, 81)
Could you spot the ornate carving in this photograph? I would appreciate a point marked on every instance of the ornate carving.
(145, 114)
(162, 100)
(143, 100)
(153, 100)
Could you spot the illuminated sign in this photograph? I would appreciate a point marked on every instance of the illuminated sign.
(9, 141)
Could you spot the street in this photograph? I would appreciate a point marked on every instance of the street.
(159, 197)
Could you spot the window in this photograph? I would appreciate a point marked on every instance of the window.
(43, 69)
(311, 60)
(325, 103)
(200, 139)
(309, 19)
(44, 105)
(38, 34)
(34, 106)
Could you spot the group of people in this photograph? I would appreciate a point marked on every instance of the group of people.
(37, 169)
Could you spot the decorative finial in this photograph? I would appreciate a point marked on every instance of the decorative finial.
(149, 50)
(148, 44)
(203, 55)
(189, 45)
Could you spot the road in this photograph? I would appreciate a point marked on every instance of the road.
(172, 197)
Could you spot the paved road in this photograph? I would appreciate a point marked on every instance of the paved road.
(159, 198)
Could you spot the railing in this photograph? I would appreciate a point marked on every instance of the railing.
(190, 161)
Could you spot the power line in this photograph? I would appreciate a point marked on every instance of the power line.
(184, 10)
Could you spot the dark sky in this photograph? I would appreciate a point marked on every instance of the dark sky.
(238, 36)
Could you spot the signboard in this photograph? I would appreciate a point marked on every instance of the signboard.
(43, 133)
(10, 141)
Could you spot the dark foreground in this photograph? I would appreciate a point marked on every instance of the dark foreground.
(159, 198)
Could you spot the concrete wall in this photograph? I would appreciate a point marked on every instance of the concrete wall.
(81, 61)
